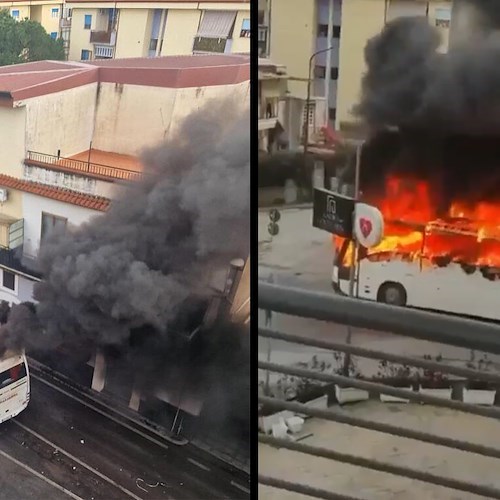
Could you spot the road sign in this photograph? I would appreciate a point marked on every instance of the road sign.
(274, 215)
(333, 212)
(273, 228)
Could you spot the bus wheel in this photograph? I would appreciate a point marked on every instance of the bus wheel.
(392, 293)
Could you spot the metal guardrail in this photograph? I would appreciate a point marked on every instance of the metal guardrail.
(438, 328)
(42, 159)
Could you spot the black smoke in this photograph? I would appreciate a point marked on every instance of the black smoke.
(409, 83)
(135, 281)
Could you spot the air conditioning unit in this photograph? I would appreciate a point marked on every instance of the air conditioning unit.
(3, 195)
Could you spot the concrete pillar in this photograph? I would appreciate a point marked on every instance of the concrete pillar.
(135, 399)
(99, 376)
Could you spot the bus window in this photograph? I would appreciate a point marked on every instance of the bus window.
(12, 375)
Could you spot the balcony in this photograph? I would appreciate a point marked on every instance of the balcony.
(65, 22)
(11, 247)
(103, 51)
(78, 166)
(206, 44)
(103, 37)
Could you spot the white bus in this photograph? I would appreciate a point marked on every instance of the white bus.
(422, 279)
(14, 385)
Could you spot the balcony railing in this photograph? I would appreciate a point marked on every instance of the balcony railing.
(103, 37)
(15, 259)
(78, 166)
(65, 22)
(104, 51)
(422, 325)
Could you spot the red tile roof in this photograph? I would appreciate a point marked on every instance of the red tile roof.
(56, 193)
(23, 81)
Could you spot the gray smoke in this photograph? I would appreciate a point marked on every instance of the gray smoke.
(138, 267)
(410, 84)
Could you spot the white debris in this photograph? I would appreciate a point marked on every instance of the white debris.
(82, 441)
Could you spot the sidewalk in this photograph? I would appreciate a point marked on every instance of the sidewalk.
(371, 485)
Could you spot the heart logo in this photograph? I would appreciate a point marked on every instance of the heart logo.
(365, 226)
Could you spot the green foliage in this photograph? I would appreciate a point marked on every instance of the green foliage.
(26, 41)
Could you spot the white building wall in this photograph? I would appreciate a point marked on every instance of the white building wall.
(12, 140)
(34, 205)
(78, 183)
(63, 120)
(132, 117)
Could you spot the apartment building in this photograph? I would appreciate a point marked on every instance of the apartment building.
(46, 12)
(108, 29)
(272, 94)
(332, 34)
(70, 132)
(71, 135)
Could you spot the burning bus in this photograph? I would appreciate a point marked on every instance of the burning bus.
(440, 199)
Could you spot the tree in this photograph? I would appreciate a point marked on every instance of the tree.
(26, 41)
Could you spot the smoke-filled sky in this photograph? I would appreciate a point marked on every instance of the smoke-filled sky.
(408, 83)
(138, 265)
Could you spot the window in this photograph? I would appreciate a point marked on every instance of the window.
(15, 14)
(12, 375)
(87, 23)
(443, 17)
(55, 12)
(332, 114)
(9, 280)
(245, 29)
(323, 31)
(319, 71)
(53, 35)
(86, 55)
(334, 73)
(153, 44)
(51, 222)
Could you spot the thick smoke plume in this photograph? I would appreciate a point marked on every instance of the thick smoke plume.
(444, 106)
(409, 83)
(135, 279)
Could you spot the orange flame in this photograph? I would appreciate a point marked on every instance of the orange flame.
(468, 232)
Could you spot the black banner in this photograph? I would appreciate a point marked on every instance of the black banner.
(333, 212)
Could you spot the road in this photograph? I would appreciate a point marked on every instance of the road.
(62, 446)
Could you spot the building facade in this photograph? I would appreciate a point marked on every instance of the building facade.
(324, 40)
(46, 12)
(108, 29)
(272, 94)
(72, 132)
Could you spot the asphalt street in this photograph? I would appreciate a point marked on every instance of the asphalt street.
(60, 447)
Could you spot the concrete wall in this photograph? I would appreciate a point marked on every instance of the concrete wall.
(180, 30)
(132, 39)
(65, 180)
(33, 206)
(12, 140)
(240, 45)
(80, 38)
(292, 39)
(63, 120)
(131, 117)
(361, 20)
